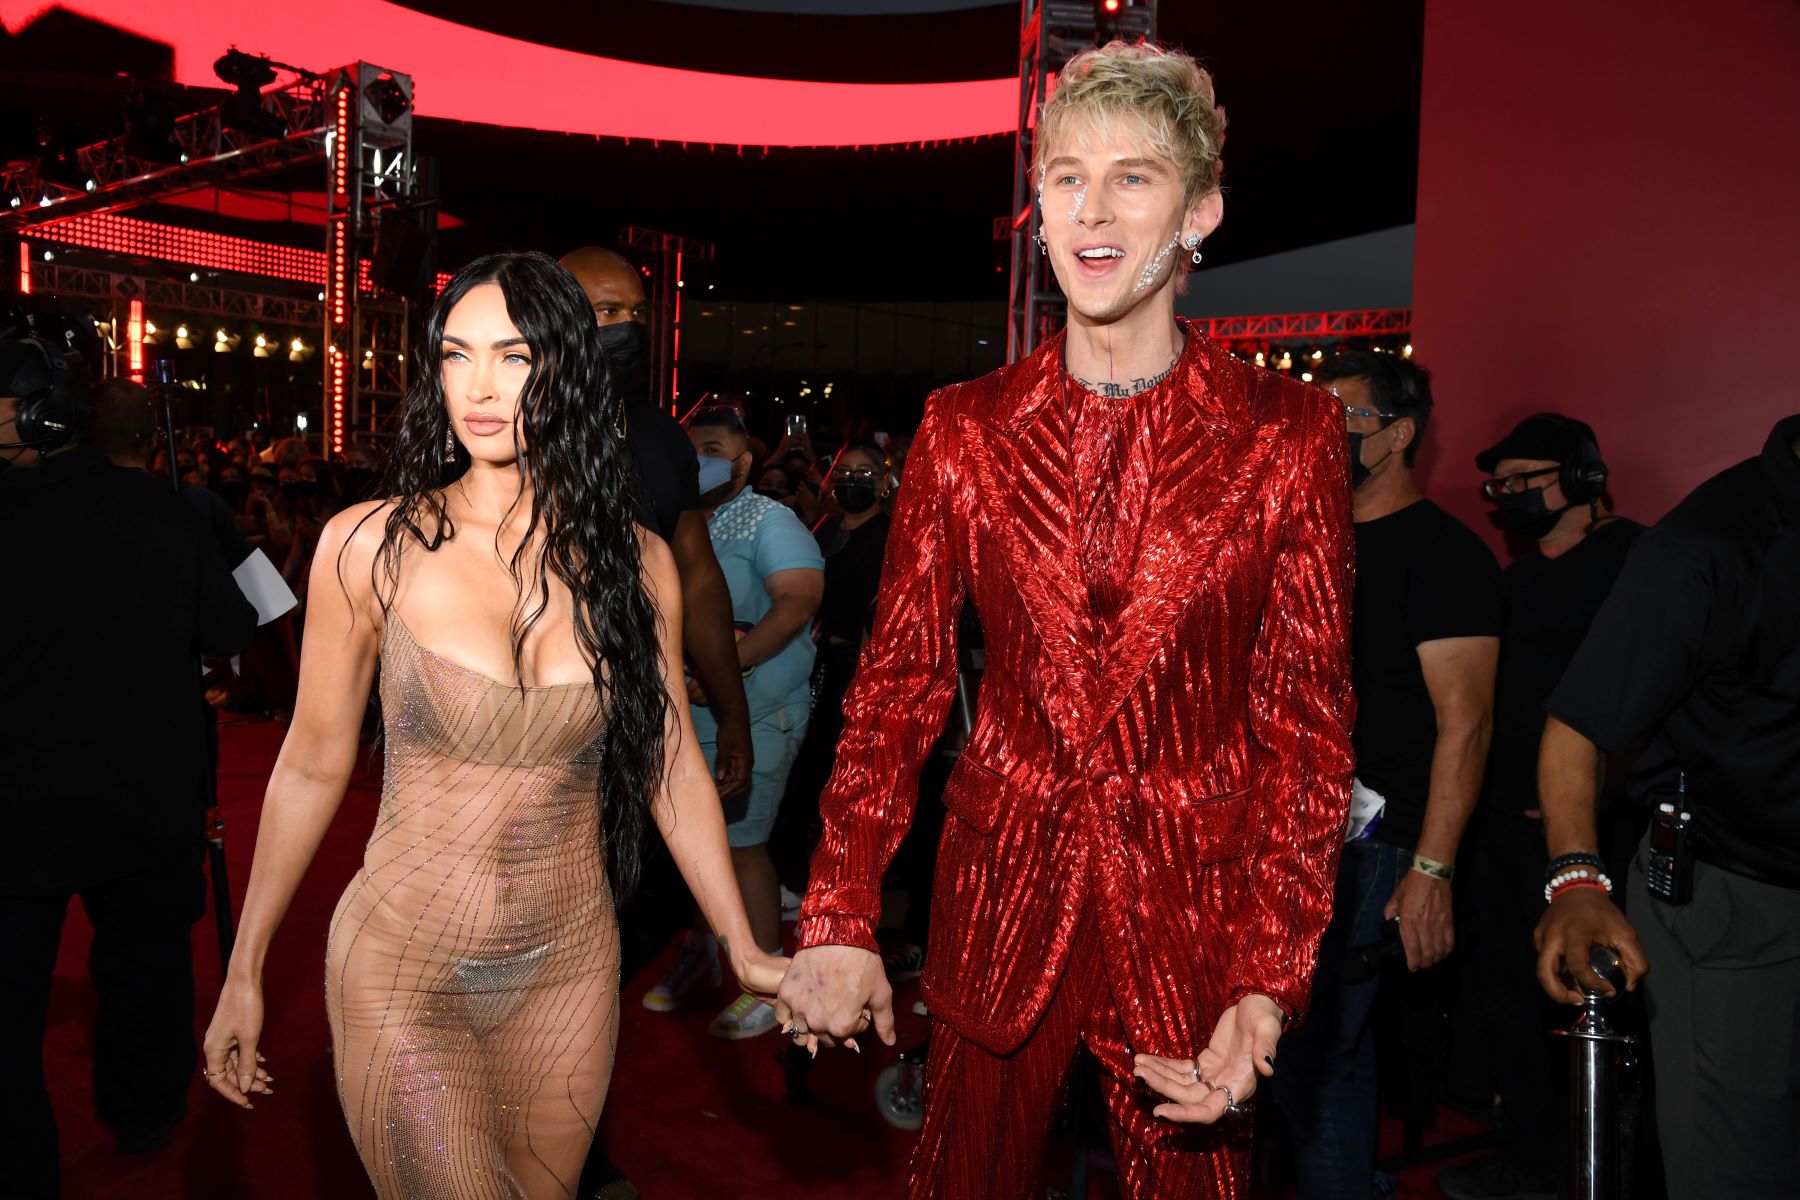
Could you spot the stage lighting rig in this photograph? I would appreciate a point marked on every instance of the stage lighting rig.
(390, 98)
(249, 74)
(58, 160)
(150, 128)
(1127, 20)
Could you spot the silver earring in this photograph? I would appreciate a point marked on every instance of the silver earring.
(1193, 243)
(449, 444)
(1042, 245)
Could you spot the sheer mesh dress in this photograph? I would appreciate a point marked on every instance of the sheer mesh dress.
(472, 971)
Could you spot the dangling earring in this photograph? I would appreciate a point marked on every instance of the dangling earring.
(1193, 243)
(449, 444)
(1042, 245)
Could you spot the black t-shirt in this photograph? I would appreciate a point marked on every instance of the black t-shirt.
(852, 574)
(668, 473)
(1549, 604)
(1698, 647)
(114, 588)
(1421, 575)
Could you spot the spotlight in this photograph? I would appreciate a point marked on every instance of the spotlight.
(248, 74)
(150, 128)
(183, 340)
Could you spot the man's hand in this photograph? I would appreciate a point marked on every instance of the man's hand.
(1242, 1048)
(1427, 926)
(833, 993)
(734, 756)
(1579, 920)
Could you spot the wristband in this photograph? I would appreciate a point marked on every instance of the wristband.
(1432, 867)
(1575, 885)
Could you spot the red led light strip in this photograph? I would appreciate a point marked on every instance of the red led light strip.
(24, 268)
(191, 247)
(675, 357)
(340, 274)
(134, 342)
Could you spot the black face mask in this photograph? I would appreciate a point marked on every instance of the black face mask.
(623, 344)
(855, 497)
(1526, 513)
(300, 489)
(233, 491)
(1359, 474)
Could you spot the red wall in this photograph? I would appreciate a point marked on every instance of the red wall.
(1609, 226)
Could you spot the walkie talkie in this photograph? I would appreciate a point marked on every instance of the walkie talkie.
(1669, 866)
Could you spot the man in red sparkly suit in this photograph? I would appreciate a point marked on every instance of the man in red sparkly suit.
(1146, 822)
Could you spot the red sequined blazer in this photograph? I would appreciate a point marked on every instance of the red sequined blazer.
(1185, 768)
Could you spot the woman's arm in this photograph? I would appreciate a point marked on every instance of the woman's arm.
(306, 786)
(687, 809)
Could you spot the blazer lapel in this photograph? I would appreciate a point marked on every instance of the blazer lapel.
(1025, 486)
(1209, 457)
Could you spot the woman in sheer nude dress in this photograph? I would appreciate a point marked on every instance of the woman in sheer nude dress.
(526, 632)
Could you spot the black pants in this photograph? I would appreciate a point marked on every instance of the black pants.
(1724, 1000)
(141, 964)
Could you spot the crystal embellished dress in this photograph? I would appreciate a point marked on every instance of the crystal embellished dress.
(473, 965)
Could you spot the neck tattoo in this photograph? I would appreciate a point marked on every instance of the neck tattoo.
(1112, 390)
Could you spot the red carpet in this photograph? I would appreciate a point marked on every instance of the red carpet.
(688, 1116)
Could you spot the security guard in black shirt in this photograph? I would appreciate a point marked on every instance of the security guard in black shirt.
(1696, 656)
(113, 592)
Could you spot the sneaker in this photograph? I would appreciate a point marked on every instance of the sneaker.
(905, 963)
(746, 1018)
(790, 904)
(696, 969)
(1493, 1178)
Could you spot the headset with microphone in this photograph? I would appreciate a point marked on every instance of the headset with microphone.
(53, 404)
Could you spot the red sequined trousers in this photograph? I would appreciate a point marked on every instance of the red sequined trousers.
(991, 1113)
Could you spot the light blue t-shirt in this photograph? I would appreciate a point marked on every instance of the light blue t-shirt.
(754, 537)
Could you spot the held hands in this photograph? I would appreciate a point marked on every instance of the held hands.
(833, 993)
(1427, 926)
(233, 1067)
(1242, 1048)
(758, 972)
(1576, 922)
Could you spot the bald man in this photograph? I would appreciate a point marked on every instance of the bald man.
(667, 470)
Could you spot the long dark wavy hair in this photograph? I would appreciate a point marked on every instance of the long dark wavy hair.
(581, 525)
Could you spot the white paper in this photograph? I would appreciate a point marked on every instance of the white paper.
(1366, 807)
(264, 587)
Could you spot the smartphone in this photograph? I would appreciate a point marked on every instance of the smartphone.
(796, 425)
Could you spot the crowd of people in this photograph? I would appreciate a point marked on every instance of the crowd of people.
(1274, 765)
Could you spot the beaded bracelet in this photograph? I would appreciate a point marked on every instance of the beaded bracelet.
(1579, 858)
(1586, 875)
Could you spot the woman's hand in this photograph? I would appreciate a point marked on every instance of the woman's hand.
(758, 973)
(233, 1067)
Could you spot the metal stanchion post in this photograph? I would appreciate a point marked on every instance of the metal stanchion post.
(1595, 1047)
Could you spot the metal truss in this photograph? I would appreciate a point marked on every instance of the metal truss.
(1311, 327)
(1051, 32)
(357, 121)
(370, 170)
(116, 179)
(670, 252)
(171, 295)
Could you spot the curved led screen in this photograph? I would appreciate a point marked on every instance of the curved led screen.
(465, 74)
